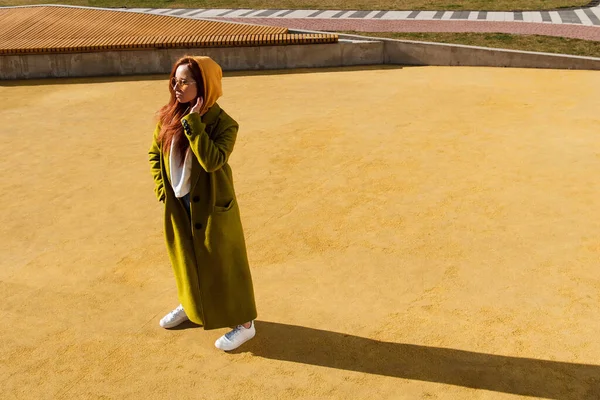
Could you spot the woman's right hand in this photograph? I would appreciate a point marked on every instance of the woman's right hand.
(198, 106)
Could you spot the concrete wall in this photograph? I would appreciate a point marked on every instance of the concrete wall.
(415, 53)
(133, 62)
(352, 50)
(406, 52)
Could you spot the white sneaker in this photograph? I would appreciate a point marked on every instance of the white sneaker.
(235, 338)
(174, 318)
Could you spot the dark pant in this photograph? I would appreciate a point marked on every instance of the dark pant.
(186, 202)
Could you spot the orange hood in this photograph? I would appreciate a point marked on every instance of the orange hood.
(211, 74)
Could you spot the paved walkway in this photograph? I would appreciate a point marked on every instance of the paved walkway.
(579, 23)
(581, 16)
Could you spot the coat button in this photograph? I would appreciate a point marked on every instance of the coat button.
(198, 226)
(196, 199)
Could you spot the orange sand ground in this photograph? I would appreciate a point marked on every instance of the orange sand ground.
(414, 233)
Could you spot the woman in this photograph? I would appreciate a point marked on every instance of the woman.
(205, 241)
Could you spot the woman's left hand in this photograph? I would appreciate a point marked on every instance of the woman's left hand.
(198, 106)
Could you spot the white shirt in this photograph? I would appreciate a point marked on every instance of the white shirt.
(180, 174)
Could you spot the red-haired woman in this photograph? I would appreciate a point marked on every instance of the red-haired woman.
(205, 241)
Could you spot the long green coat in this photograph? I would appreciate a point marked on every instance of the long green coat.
(209, 258)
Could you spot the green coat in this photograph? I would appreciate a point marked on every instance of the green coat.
(209, 258)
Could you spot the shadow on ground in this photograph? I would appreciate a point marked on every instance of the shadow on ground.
(521, 376)
(186, 325)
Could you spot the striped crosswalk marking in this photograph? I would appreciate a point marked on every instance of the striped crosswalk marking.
(585, 20)
(396, 15)
(371, 14)
(447, 15)
(424, 15)
(238, 12)
(583, 16)
(555, 17)
(473, 15)
(594, 11)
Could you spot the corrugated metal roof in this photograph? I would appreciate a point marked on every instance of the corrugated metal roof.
(55, 29)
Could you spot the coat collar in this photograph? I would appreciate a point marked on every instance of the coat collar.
(211, 115)
(210, 118)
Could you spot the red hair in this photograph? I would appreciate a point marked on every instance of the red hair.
(171, 113)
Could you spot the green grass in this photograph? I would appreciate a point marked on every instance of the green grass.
(545, 44)
(500, 5)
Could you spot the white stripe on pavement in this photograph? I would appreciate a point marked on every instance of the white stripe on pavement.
(425, 15)
(555, 17)
(159, 11)
(495, 16)
(255, 13)
(473, 15)
(596, 11)
(237, 13)
(328, 14)
(447, 15)
(278, 13)
(172, 10)
(300, 14)
(585, 20)
(211, 13)
(537, 17)
(396, 15)
(347, 14)
(190, 13)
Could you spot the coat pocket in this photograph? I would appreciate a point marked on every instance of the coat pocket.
(226, 207)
